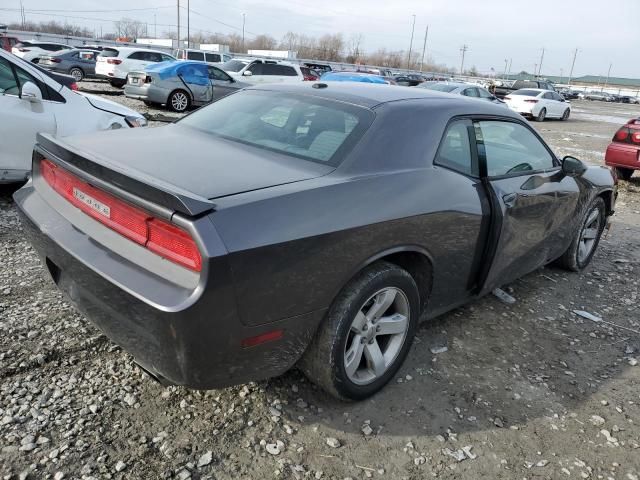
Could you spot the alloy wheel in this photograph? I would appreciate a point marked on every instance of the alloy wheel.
(179, 101)
(589, 234)
(377, 335)
(76, 73)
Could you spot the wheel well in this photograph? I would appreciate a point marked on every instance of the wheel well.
(419, 267)
(607, 196)
(77, 68)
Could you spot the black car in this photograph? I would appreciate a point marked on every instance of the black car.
(408, 80)
(307, 224)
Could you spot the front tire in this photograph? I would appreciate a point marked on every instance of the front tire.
(366, 334)
(565, 115)
(586, 239)
(624, 173)
(179, 101)
(542, 115)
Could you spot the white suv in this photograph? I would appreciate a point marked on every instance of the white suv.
(115, 63)
(263, 71)
(213, 58)
(31, 51)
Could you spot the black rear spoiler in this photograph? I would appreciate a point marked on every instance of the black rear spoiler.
(134, 182)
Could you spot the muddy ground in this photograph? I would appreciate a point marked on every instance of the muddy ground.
(525, 391)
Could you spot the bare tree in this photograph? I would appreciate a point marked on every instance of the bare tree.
(262, 42)
(129, 28)
(354, 51)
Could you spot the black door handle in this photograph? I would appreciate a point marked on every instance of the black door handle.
(509, 199)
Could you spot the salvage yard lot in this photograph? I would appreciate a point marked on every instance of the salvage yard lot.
(529, 390)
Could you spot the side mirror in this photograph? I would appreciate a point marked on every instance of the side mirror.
(247, 73)
(31, 93)
(572, 167)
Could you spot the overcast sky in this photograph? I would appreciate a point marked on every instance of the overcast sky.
(494, 30)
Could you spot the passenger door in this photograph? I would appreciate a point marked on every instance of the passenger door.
(533, 202)
(223, 84)
(551, 104)
(21, 120)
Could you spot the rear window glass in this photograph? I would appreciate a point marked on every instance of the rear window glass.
(212, 57)
(109, 52)
(527, 93)
(195, 56)
(313, 129)
(440, 87)
(234, 65)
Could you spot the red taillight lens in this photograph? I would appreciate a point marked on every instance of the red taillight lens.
(163, 238)
(74, 86)
(621, 135)
(309, 78)
(531, 101)
(114, 61)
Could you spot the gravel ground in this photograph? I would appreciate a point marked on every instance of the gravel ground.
(523, 391)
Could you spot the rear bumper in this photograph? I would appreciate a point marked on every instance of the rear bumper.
(13, 175)
(197, 343)
(623, 155)
(148, 93)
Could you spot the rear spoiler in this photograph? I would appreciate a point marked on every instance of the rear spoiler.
(134, 182)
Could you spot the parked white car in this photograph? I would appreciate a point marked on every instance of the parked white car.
(115, 63)
(32, 102)
(263, 71)
(31, 51)
(538, 104)
(212, 58)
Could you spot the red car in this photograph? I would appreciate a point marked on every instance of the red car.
(7, 42)
(623, 153)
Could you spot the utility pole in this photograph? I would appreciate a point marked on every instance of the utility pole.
(509, 71)
(561, 75)
(463, 49)
(506, 62)
(155, 26)
(575, 54)
(243, 20)
(188, 26)
(608, 73)
(541, 59)
(424, 46)
(178, 23)
(411, 42)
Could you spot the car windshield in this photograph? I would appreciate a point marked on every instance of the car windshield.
(297, 125)
(526, 93)
(440, 87)
(109, 52)
(234, 65)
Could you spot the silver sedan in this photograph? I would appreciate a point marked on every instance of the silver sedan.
(180, 85)
(466, 89)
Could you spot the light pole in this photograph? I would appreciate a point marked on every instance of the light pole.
(424, 47)
(575, 54)
(541, 58)
(608, 73)
(506, 62)
(411, 42)
(243, 20)
(463, 49)
(188, 26)
(178, 1)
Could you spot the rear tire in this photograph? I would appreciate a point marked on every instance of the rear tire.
(77, 73)
(624, 173)
(179, 101)
(586, 238)
(117, 83)
(351, 357)
(542, 115)
(565, 115)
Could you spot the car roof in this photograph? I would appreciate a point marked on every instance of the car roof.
(137, 49)
(371, 95)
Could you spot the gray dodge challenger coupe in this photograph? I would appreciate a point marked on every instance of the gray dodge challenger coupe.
(309, 224)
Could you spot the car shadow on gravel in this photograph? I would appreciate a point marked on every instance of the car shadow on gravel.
(505, 364)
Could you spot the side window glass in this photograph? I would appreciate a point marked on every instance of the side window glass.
(136, 56)
(167, 58)
(212, 57)
(195, 56)
(455, 149)
(218, 75)
(8, 82)
(256, 68)
(509, 148)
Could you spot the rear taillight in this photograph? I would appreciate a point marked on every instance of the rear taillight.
(622, 135)
(531, 101)
(55, 60)
(309, 78)
(158, 236)
(74, 86)
(114, 61)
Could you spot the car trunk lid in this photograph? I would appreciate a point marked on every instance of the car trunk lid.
(179, 167)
